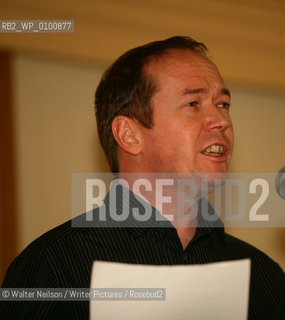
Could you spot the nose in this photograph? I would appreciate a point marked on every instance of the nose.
(217, 119)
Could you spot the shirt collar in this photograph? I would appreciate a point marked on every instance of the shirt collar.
(208, 220)
(204, 226)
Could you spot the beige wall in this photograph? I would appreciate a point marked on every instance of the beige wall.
(246, 37)
(259, 123)
(56, 135)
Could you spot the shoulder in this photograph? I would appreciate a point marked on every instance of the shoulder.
(265, 272)
(267, 283)
(38, 266)
(262, 266)
(73, 232)
(243, 249)
(41, 263)
(38, 247)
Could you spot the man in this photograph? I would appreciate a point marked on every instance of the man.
(164, 108)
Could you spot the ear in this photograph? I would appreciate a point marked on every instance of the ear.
(127, 134)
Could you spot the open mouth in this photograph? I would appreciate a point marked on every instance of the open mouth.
(215, 150)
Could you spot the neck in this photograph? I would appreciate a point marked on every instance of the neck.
(185, 235)
(168, 201)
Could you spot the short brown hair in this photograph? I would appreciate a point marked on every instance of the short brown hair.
(126, 89)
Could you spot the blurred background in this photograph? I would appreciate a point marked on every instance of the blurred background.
(47, 85)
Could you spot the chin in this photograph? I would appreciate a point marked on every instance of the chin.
(209, 180)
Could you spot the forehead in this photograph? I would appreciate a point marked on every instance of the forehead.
(184, 68)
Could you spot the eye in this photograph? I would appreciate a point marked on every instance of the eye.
(192, 104)
(224, 105)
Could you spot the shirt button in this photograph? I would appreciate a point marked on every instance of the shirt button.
(185, 257)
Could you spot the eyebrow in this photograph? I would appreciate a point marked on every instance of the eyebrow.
(188, 91)
(226, 92)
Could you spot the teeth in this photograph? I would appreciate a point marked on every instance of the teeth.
(215, 150)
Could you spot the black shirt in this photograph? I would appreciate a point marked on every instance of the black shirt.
(63, 257)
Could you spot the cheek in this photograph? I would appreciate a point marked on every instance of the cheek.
(187, 137)
(164, 146)
(174, 139)
(230, 137)
(183, 144)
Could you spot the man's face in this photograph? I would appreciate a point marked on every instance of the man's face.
(192, 129)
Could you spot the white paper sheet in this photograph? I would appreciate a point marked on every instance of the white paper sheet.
(209, 291)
